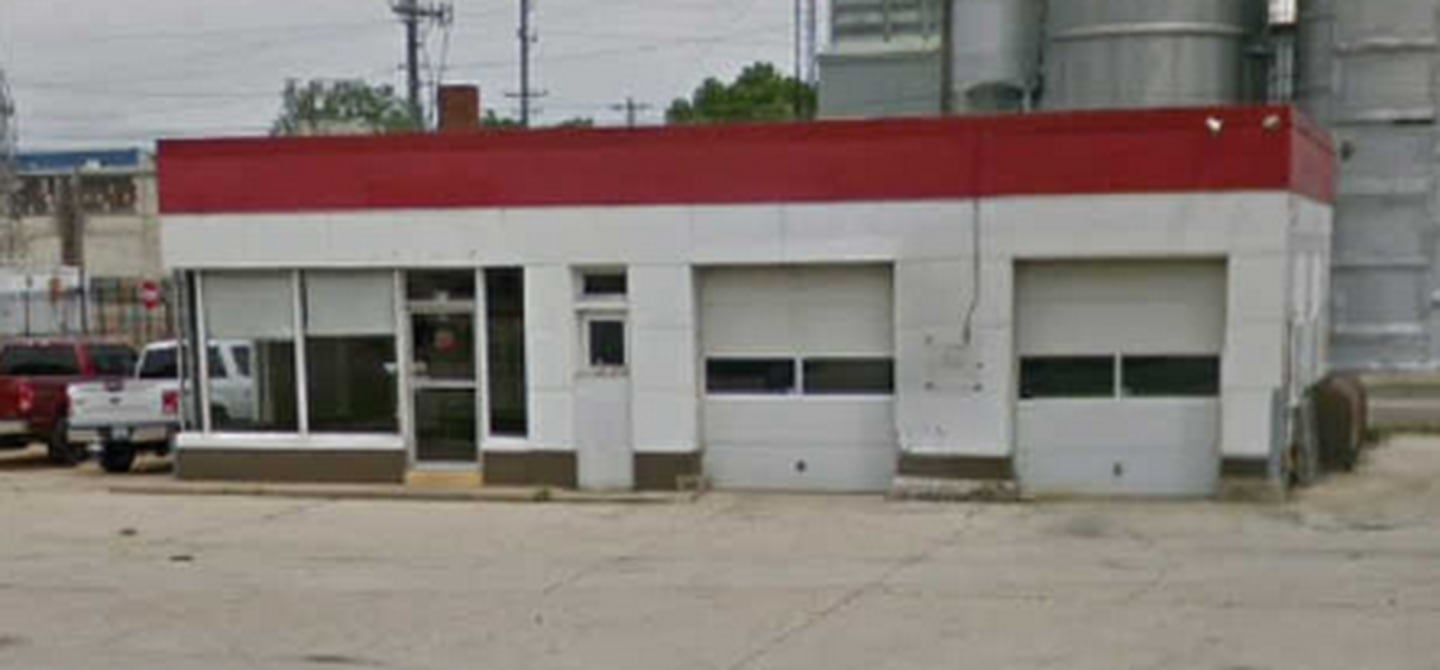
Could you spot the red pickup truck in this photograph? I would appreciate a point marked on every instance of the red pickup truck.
(33, 376)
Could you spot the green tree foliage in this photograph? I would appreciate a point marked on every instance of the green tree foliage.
(336, 106)
(760, 94)
(493, 121)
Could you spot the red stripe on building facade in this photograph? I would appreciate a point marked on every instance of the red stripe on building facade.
(1255, 148)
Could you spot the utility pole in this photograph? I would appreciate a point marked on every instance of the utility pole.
(799, 43)
(947, 57)
(812, 42)
(526, 35)
(806, 46)
(632, 111)
(411, 13)
(70, 218)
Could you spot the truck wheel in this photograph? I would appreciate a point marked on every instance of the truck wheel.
(60, 450)
(117, 458)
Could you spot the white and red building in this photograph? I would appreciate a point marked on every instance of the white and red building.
(1119, 302)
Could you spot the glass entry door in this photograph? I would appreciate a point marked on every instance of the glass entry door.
(443, 369)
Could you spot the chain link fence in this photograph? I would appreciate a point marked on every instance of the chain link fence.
(136, 311)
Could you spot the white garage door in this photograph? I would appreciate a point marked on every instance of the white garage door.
(799, 377)
(1119, 376)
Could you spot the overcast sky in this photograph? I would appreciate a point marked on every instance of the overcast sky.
(101, 73)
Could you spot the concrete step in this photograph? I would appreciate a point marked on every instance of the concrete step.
(444, 479)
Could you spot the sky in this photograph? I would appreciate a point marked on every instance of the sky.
(121, 73)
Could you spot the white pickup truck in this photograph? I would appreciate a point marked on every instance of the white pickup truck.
(122, 417)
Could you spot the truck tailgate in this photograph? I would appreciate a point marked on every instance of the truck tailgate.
(120, 402)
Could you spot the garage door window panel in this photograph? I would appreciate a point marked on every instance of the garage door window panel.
(750, 376)
(258, 309)
(849, 376)
(1171, 376)
(1044, 377)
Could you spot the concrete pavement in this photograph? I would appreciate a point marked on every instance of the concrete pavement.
(1346, 576)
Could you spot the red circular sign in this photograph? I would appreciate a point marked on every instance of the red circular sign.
(150, 294)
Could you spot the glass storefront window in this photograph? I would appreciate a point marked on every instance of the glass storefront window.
(351, 373)
(505, 360)
(253, 311)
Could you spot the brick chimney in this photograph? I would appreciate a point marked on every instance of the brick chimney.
(459, 107)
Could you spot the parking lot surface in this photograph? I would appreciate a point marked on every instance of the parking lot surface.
(1345, 576)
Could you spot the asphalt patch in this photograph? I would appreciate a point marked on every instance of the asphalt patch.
(338, 659)
(8, 641)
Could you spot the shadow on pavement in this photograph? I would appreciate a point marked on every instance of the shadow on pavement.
(26, 459)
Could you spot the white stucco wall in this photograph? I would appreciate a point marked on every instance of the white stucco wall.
(955, 382)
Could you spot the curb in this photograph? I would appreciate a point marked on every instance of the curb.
(404, 493)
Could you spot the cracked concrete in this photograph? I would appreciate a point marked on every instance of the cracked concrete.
(1346, 575)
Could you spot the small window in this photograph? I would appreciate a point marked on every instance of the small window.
(41, 360)
(217, 365)
(750, 375)
(849, 376)
(604, 284)
(440, 286)
(113, 360)
(242, 360)
(606, 339)
(1171, 376)
(159, 363)
(1067, 377)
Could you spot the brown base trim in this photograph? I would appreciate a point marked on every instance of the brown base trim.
(329, 466)
(956, 467)
(530, 468)
(666, 472)
(1245, 468)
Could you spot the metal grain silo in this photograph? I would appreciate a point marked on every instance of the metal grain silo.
(1151, 53)
(995, 54)
(1366, 71)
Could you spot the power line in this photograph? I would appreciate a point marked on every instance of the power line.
(168, 35)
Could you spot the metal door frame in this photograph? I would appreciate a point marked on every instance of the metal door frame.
(412, 384)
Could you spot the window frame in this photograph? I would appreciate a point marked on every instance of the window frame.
(1119, 379)
(488, 434)
(799, 384)
(1215, 360)
(1111, 365)
(793, 389)
(603, 274)
(592, 316)
(803, 376)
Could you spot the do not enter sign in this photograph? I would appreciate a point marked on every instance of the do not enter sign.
(150, 294)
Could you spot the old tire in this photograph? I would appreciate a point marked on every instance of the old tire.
(117, 458)
(60, 450)
(1340, 421)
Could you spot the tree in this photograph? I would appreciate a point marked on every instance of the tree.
(493, 121)
(576, 122)
(321, 107)
(759, 94)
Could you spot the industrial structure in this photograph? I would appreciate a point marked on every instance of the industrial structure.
(81, 240)
(923, 57)
(1364, 70)
(1102, 302)
(1367, 72)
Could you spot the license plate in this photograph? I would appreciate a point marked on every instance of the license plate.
(120, 433)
